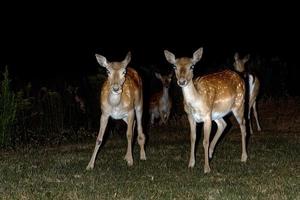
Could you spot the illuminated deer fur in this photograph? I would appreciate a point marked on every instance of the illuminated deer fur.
(253, 83)
(209, 98)
(121, 98)
(160, 102)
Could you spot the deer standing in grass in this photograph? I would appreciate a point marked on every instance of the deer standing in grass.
(209, 98)
(121, 98)
(253, 83)
(160, 102)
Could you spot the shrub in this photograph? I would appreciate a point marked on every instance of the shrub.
(8, 108)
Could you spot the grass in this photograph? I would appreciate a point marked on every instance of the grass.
(271, 172)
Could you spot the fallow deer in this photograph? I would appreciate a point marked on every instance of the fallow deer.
(209, 98)
(160, 102)
(121, 98)
(253, 83)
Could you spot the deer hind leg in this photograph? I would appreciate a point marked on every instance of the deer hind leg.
(256, 116)
(103, 123)
(130, 123)
(249, 120)
(239, 115)
(252, 104)
(141, 135)
(221, 126)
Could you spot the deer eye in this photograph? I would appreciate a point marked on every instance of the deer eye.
(124, 72)
(174, 66)
(192, 67)
(108, 72)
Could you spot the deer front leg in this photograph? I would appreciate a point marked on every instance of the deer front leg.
(152, 119)
(167, 115)
(193, 140)
(162, 118)
(103, 123)
(207, 129)
(129, 120)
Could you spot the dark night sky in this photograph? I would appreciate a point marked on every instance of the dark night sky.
(42, 47)
(35, 60)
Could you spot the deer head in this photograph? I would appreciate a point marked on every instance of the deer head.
(184, 67)
(239, 64)
(116, 72)
(165, 80)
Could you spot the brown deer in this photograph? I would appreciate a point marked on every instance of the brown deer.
(253, 83)
(209, 98)
(121, 98)
(160, 102)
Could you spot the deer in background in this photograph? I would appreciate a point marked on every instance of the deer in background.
(209, 98)
(160, 102)
(121, 98)
(253, 83)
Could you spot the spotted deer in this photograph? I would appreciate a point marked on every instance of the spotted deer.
(209, 98)
(121, 98)
(160, 102)
(253, 83)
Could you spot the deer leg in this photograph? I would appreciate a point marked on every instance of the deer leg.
(167, 115)
(221, 126)
(249, 120)
(207, 130)
(162, 117)
(141, 135)
(241, 120)
(152, 119)
(130, 121)
(249, 115)
(256, 116)
(103, 123)
(193, 140)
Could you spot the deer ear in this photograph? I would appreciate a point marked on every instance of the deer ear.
(197, 55)
(246, 58)
(236, 56)
(127, 59)
(102, 60)
(170, 57)
(157, 75)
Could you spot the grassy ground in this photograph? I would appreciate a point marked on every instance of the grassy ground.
(271, 172)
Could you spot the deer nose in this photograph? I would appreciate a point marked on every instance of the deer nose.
(182, 82)
(116, 88)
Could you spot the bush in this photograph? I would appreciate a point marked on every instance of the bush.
(8, 108)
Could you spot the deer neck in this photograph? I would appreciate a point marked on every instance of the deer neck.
(114, 99)
(190, 94)
(165, 95)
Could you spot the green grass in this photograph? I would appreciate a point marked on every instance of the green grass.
(271, 172)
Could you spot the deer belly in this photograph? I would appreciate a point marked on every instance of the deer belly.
(197, 117)
(118, 114)
(215, 115)
(218, 115)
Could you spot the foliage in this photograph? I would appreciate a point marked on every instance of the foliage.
(8, 107)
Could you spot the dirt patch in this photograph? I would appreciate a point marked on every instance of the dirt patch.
(274, 114)
(278, 114)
